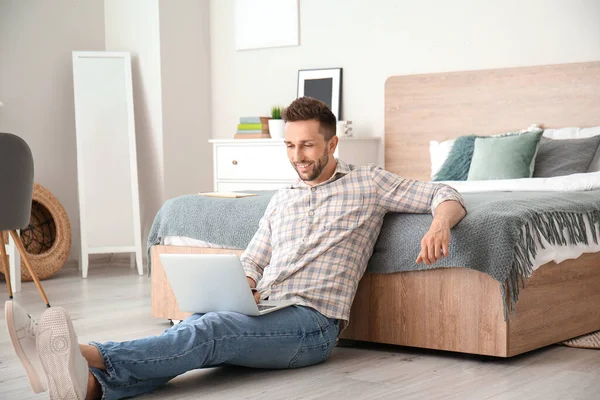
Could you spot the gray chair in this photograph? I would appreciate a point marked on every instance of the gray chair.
(16, 190)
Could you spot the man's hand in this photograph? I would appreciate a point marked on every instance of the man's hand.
(252, 285)
(436, 242)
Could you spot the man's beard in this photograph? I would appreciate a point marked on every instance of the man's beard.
(318, 168)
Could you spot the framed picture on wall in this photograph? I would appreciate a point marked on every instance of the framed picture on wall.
(262, 24)
(322, 84)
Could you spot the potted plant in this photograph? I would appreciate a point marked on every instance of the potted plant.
(276, 124)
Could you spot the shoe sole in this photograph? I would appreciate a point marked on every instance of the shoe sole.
(32, 375)
(56, 353)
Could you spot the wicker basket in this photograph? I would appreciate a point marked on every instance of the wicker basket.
(47, 239)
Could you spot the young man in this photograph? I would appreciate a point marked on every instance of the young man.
(312, 246)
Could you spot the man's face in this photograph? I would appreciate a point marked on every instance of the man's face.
(308, 151)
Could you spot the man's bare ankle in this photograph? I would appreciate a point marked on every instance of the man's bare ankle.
(94, 390)
(92, 356)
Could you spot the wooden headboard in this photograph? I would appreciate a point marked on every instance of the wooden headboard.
(420, 108)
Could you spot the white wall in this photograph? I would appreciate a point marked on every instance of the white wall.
(36, 85)
(186, 114)
(170, 47)
(169, 43)
(133, 26)
(372, 40)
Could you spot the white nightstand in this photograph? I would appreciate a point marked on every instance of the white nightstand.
(262, 164)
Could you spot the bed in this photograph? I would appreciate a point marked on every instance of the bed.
(460, 309)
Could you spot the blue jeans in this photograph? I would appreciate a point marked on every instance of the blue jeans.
(288, 338)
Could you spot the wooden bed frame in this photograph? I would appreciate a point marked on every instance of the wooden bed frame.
(459, 309)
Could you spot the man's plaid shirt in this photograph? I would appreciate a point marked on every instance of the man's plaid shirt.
(313, 243)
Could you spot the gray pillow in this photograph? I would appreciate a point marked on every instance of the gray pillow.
(564, 157)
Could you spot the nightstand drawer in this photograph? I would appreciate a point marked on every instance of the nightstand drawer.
(253, 162)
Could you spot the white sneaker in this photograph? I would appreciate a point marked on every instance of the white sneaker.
(66, 369)
(22, 330)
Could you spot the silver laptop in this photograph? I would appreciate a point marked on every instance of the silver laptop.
(213, 282)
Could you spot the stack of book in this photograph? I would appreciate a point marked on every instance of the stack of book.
(253, 128)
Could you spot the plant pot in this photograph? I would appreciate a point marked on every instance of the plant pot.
(276, 128)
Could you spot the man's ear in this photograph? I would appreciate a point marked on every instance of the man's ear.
(333, 142)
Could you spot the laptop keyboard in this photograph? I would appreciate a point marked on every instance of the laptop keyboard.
(262, 307)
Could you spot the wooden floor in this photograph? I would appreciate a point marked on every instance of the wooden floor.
(113, 303)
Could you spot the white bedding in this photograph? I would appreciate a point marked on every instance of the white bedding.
(189, 242)
(567, 183)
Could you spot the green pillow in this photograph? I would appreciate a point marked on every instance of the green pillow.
(456, 166)
(504, 157)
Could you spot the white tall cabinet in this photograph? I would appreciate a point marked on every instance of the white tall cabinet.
(262, 164)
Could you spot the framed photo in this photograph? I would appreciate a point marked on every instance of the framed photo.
(262, 24)
(322, 84)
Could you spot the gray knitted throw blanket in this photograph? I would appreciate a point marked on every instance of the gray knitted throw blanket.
(227, 222)
(500, 235)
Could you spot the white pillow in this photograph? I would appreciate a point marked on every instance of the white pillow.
(571, 133)
(438, 152)
(577, 133)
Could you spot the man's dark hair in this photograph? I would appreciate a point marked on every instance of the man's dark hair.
(308, 108)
